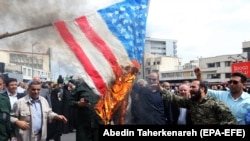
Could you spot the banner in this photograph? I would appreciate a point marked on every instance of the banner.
(242, 67)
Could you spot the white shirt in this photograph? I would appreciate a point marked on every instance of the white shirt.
(13, 99)
(182, 116)
(20, 89)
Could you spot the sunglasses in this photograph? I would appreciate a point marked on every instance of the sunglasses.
(233, 81)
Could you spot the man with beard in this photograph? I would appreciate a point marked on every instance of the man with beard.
(236, 99)
(203, 108)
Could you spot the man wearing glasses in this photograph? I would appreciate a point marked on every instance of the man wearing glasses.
(236, 99)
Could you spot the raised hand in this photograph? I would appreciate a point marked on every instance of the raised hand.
(197, 72)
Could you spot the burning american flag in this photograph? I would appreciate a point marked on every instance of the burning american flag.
(105, 43)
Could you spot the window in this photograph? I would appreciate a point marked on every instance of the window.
(148, 71)
(227, 75)
(217, 64)
(227, 63)
(29, 72)
(213, 76)
(25, 71)
(170, 75)
(164, 75)
(211, 65)
(155, 71)
(178, 74)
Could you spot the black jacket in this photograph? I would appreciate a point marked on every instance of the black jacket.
(86, 116)
(19, 95)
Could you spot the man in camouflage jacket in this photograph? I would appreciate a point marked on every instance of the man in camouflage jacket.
(203, 108)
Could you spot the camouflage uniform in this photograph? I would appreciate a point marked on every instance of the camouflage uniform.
(208, 111)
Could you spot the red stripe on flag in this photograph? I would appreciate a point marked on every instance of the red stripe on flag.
(80, 54)
(100, 44)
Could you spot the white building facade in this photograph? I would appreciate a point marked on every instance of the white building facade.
(159, 55)
(26, 64)
(215, 69)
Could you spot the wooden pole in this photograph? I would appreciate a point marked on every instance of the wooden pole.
(5, 35)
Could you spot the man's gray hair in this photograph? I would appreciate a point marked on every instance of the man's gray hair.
(142, 81)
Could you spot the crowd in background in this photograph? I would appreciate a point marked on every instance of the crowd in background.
(57, 96)
(194, 102)
(150, 103)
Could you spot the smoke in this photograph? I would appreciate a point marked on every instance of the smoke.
(21, 14)
(18, 15)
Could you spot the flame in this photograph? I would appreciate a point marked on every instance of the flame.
(116, 100)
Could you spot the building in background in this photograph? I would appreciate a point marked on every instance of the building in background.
(215, 70)
(161, 47)
(25, 65)
(159, 55)
(218, 69)
(160, 64)
(182, 73)
(246, 48)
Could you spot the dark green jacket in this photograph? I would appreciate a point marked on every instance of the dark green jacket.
(86, 116)
(6, 131)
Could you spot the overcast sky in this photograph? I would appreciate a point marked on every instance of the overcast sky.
(202, 28)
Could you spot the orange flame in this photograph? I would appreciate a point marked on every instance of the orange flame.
(116, 100)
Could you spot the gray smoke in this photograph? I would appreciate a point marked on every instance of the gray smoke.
(16, 15)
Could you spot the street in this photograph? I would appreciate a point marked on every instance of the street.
(68, 137)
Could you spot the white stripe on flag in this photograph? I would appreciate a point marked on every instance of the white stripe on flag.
(96, 58)
(100, 64)
(115, 45)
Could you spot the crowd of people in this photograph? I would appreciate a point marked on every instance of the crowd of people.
(35, 110)
(190, 103)
(43, 111)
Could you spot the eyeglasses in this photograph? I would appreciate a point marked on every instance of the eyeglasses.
(233, 81)
(152, 79)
